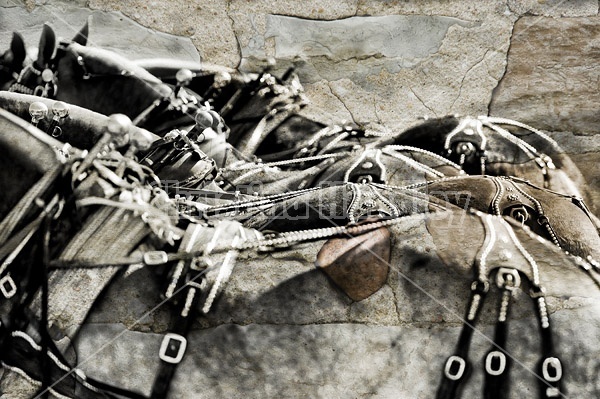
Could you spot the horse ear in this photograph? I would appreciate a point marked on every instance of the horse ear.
(82, 36)
(17, 47)
(47, 46)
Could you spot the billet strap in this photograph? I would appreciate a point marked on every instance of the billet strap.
(185, 290)
(457, 366)
(496, 362)
(550, 367)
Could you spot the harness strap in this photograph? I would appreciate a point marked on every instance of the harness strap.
(20, 210)
(550, 367)
(187, 296)
(248, 144)
(497, 364)
(457, 366)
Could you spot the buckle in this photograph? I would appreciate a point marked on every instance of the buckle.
(480, 286)
(543, 220)
(8, 286)
(153, 258)
(552, 369)
(172, 343)
(508, 279)
(455, 375)
(489, 363)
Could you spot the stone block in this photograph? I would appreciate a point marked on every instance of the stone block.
(552, 79)
(108, 29)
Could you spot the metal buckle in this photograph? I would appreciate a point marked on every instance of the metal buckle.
(489, 361)
(172, 342)
(508, 279)
(480, 286)
(556, 366)
(153, 258)
(8, 286)
(543, 220)
(461, 367)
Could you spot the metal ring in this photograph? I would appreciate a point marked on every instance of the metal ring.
(462, 365)
(489, 359)
(180, 344)
(553, 362)
(8, 286)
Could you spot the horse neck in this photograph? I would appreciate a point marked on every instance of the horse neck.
(108, 95)
(112, 85)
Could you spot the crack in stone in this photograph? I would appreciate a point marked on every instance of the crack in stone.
(237, 39)
(396, 308)
(495, 89)
(423, 102)
(376, 113)
(465, 76)
(343, 103)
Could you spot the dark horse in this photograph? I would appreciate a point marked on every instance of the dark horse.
(424, 265)
(498, 147)
(12, 61)
(384, 248)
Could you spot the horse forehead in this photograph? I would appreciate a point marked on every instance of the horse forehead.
(102, 61)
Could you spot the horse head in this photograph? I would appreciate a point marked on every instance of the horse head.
(561, 219)
(30, 156)
(39, 77)
(105, 82)
(92, 78)
(499, 147)
(12, 61)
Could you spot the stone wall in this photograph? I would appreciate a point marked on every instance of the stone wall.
(381, 64)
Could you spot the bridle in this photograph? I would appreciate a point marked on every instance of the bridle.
(48, 87)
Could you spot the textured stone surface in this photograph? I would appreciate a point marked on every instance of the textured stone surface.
(281, 328)
(107, 29)
(555, 8)
(330, 360)
(207, 24)
(379, 70)
(559, 90)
